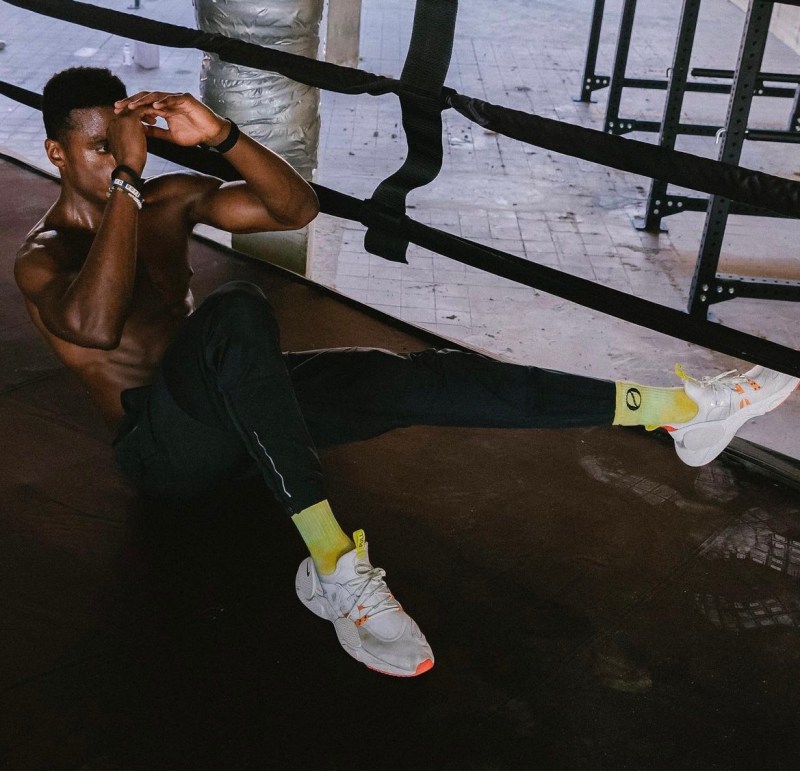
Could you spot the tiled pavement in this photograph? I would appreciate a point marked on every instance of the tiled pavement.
(552, 209)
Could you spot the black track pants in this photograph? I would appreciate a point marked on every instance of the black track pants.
(226, 401)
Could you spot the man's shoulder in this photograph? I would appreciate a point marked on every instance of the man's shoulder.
(53, 246)
(42, 239)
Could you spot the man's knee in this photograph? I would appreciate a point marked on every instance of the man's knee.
(240, 304)
(238, 293)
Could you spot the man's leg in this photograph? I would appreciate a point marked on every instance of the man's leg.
(350, 394)
(226, 371)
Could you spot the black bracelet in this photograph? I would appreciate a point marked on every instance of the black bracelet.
(229, 141)
(138, 182)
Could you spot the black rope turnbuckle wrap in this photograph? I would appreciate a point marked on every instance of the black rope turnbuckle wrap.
(741, 184)
(425, 69)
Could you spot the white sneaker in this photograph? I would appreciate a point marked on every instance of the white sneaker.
(369, 622)
(725, 403)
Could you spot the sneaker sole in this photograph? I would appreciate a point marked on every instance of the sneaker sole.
(306, 585)
(710, 439)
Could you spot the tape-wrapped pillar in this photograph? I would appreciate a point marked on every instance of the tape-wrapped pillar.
(342, 35)
(280, 113)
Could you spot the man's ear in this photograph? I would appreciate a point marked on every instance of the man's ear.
(55, 153)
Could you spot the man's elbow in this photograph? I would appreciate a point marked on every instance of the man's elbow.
(308, 210)
(108, 343)
(104, 337)
(103, 340)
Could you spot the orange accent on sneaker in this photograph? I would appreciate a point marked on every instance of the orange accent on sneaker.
(738, 388)
(361, 621)
(424, 667)
(421, 669)
(668, 428)
(754, 384)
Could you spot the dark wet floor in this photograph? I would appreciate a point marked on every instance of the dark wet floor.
(592, 602)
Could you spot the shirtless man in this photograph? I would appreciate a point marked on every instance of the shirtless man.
(199, 395)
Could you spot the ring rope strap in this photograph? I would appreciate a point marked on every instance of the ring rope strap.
(710, 176)
(424, 71)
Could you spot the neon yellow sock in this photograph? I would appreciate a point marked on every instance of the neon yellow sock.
(326, 541)
(639, 405)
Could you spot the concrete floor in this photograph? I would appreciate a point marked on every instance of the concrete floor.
(549, 208)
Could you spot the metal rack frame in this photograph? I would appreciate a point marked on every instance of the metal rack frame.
(708, 285)
(614, 123)
(747, 81)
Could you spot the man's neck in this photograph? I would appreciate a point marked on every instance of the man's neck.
(73, 210)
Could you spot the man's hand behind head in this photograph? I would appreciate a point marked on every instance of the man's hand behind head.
(189, 121)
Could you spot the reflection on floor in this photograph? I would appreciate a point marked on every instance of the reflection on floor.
(592, 602)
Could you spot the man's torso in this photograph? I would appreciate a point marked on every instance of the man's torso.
(161, 300)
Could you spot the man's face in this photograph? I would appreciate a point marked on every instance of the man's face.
(82, 153)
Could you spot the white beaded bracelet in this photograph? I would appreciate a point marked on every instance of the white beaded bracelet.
(128, 189)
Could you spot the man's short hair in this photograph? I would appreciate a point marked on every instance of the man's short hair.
(75, 89)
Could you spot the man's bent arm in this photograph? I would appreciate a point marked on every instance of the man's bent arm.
(89, 307)
(272, 197)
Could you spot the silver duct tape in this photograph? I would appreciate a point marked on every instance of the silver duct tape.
(265, 22)
(280, 113)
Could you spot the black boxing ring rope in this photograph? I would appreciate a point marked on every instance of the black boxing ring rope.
(738, 183)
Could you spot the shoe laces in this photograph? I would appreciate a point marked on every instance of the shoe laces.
(727, 379)
(370, 590)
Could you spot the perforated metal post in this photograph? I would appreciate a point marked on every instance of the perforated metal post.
(620, 64)
(706, 288)
(591, 81)
(658, 202)
(794, 118)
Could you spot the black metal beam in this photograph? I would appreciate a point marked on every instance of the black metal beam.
(772, 77)
(591, 82)
(706, 88)
(728, 286)
(671, 118)
(620, 64)
(751, 54)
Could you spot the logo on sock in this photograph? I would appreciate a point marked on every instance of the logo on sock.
(633, 399)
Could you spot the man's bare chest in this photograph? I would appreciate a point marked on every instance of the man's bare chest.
(162, 267)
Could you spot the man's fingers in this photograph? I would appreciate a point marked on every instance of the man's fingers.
(144, 99)
(158, 133)
(160, 100)
(131, 98)
(145, 114)
(169, 101)
(120, 105)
